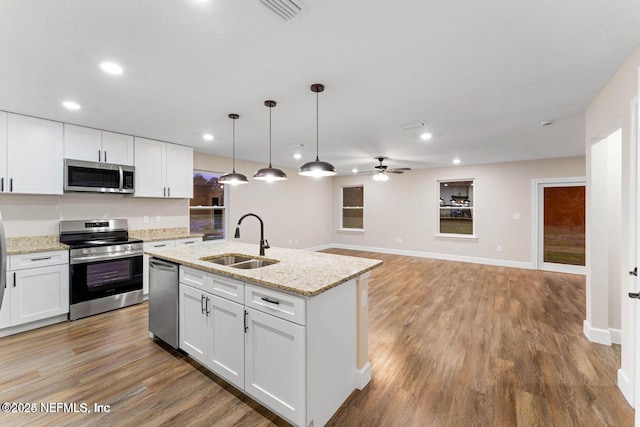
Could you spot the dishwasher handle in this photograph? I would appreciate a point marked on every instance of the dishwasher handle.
(161, 265)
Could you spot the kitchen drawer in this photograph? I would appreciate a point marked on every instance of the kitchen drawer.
(286, 306)
(38, 259)
(159, 244)
(225, 287)
(197, 278)
(188, 241)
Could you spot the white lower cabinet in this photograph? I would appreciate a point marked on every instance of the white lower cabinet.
(294, 355)
(275, 364)
(37, 289)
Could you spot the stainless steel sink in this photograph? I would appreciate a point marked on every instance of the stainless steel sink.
(254, 263)
(239, 261)
(226, 259)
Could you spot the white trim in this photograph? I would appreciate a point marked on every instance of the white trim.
(564, 268)
(351, 230)
(363, 376)
(445, 257)
(625, 387)
(536, 207)
(34, 325)
(320, 247)
(456, 236)
(596, 335)
(616, 336)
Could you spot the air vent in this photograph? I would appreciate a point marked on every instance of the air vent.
(413, 125)
(287, 10)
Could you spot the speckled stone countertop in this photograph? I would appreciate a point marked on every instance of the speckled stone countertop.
(156, 234)
(33, 244)
(298, 271)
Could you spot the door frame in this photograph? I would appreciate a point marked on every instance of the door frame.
(537, 214)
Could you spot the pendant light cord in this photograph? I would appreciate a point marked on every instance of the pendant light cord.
(317, 130)
(270, 108)
(234, 145)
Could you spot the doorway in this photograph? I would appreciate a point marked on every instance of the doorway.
(559, 224)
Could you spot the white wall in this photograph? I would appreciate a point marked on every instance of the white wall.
(296, 212)
(611, 110)
(406, 207)
(28, 215)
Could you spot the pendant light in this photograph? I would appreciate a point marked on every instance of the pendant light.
(233, 178)
(270, 173)
(317, 167)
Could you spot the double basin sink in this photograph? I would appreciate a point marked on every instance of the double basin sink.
(243, 262)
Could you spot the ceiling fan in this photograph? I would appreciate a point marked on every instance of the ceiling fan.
(381, 171)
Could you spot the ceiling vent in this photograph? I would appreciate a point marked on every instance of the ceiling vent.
(287, 10)
(413, 125)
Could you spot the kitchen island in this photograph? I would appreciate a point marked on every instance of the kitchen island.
(291, 334)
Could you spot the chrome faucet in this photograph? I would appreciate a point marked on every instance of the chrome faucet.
(264, 244)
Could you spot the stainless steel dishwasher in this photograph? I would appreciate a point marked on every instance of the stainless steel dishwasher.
(164, 301)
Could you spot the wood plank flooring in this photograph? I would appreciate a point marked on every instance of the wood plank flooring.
(451, 344)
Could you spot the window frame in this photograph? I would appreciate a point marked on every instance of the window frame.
(224, 208)
(342, 208)
(472, 208)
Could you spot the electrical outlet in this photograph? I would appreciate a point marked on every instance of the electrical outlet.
(499, 248)
(363, 299)
(516, 216)
(158, 218)
(145, 219)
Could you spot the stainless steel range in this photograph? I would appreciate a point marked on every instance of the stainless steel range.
(105, 266)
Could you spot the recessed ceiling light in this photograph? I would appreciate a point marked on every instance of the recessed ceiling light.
(426, 136)
(354, 170)
(297, 156)
(71, 105)
(456, 161)
(111, 68)
(207, 137)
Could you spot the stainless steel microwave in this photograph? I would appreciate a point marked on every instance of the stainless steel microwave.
(97, 177)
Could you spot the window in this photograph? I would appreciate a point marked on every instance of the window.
(206, 208)
(353, 208)
(456, 208)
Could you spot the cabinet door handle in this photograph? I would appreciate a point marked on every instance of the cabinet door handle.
(206, 305)
(272, 301)
(44, 258)
(2, 184)
(105, 155)
(168, 191)
(246, 327)
(631, 295)
(164, 191)
(160, 246)
(11, 185)
(14, 279)
(634, 272)
(201, 303)
(99, 155)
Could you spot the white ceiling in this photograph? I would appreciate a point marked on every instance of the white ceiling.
(483, 75)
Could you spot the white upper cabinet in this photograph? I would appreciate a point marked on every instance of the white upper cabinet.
(33, 156)
(3, 151)
(95, 145)
(117, 148)
(163, 169)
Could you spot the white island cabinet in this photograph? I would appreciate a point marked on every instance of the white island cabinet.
(292, 335)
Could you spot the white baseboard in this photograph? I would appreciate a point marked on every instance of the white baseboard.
(616, 336)
(432, 255)
(363, 376)
(626, 387)
(596, 335)
(34, 325)
(320, 247)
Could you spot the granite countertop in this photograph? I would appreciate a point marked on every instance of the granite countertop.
(298, 271)
(157, 234)
(33, 244)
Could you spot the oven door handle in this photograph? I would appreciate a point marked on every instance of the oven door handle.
(102, 257)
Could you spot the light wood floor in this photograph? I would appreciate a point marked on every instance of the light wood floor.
(451, 344)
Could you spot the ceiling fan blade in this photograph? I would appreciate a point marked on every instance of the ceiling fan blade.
(394, 171)
(401, 169)
(365, 173)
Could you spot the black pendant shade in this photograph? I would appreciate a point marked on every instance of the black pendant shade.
(270, 173)
(233, 178)
(317, 168)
